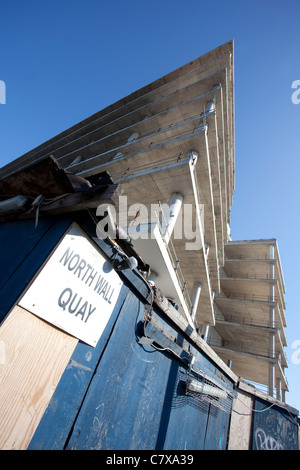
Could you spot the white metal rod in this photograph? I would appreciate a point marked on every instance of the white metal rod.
(169, 219)
(195, 299)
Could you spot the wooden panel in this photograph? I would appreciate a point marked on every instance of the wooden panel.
(202, 425)
(240, 424)
(216, 432)
(23, 250)
(34, 356)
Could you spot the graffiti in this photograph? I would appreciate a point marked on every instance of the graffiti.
(295, 96)
(264, 442)
(296, 354)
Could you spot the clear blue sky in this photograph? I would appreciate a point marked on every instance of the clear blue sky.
(64, 60)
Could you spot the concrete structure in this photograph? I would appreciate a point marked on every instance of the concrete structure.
(171, 147)
(250, 317)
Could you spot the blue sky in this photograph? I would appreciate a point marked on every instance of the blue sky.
(64, 60)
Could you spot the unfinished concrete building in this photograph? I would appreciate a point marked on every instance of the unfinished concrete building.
(170, 145)
(249, 312)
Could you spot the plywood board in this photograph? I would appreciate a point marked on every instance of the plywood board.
(33, 357)
(240, 426)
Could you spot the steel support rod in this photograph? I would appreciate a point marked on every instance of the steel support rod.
(169, 218)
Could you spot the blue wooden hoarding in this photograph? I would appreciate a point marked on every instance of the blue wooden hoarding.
(134, 399)
(122, 394)
(130, 391)
(23, 250)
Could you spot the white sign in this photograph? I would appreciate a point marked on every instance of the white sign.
(76, 290)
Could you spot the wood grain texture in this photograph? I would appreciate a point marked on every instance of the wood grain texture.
(34, 356)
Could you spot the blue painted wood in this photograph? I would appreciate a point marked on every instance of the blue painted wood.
(66, 401)
(216, 434)
(202, 425)
(122, 409)
(23, 250)
(137, 398)
(183, 419)
(182, 345)
(17, 240)
(274, 428)
(137, 282)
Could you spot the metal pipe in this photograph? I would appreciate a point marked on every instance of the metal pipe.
(169, 219)
(205, 332)
(195, 299)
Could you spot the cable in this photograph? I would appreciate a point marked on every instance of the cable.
(263, 410)
(251, 409)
